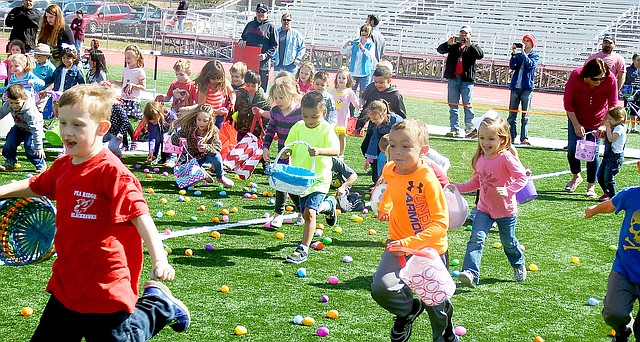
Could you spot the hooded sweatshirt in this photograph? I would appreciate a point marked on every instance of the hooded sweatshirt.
(391, 95)
(28, 118)
(262, 35)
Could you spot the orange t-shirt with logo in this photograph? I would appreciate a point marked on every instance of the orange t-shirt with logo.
(99, 250)
(418, 215)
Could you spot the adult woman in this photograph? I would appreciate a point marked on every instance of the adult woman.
(633, 79)
(589, 93)
(54, 32)
(363, 57)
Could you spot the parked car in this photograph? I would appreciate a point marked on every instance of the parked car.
(100, 16)
(71, 6)
(143, 23)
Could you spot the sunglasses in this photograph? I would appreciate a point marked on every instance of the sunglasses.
(597, 79)
(286, 20)
(261, 11)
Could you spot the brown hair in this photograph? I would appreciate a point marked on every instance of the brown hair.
(345, 71)
(182, 65)
(97, 100)
(189, 119)
(154, 110)
(414, 126)
(307, 65)
(213, 70)
(49, 34)
(16, 92)
(379, 108)
(238, 68)
(618, 113)
(594, 68)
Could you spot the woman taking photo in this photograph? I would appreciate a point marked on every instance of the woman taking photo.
(589, 94)
(363, 57)
(54, 32)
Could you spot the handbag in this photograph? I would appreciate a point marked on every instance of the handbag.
(189, 172)
(228, 137)
(245, 156)
(168, 146)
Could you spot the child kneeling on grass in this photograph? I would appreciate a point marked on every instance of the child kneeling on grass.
(94, 284)
(623, 287)
(412, 188)
(319, 134)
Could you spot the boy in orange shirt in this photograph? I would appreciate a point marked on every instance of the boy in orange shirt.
(413, 188)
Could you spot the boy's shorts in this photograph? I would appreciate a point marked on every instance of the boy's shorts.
(312, 201)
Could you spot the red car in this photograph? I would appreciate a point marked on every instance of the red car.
(99, 16)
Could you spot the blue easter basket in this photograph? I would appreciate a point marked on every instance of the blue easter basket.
(27, 229)
(291, 179)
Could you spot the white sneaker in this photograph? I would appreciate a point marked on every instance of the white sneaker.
(467, 279)
(226, 182)
(520, 273)
(299, 220)
(276, 222)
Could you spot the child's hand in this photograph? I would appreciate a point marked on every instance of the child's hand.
(163, 271)
(119, 136)
(383, 216)
(340, 191)
(502, 191)
(265, 154)
(262, 57)
(106, 84)
(590, 211)
(285, 155)
(40, 153)
(313, 151)
(396, 243)
(367, 163)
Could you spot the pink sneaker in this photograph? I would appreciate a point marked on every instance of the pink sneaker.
(226, 182)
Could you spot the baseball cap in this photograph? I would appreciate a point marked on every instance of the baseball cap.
(42, 49)
(466, 28)
(262, 8)
(609, 37)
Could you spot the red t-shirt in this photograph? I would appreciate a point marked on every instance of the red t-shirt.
(99, 249)
(187, 99)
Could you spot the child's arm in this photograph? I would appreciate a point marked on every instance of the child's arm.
(268, 138)
(20, 188)
(149, 233)
(324, 151)
(231, 94)
(600, 208)
(609, 131)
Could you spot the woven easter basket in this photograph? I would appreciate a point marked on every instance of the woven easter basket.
(27, 228)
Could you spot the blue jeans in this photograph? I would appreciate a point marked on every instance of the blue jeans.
(610, 166)
(61, 324)
(114, 144)
(574, 163)
(215, 160)
(362, 82)
(481, 225)
(10, 149)
(519, 96)
(457, 88)
(181, 23)
(289, 68)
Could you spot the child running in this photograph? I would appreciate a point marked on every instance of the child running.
(158, 123)
(214, 90)
(203, 140)
(323, 142)
(614, 123)
(412, 188)
(499, 175)
(303, 77)
(286, 112)
(345, 97)
(95, 280)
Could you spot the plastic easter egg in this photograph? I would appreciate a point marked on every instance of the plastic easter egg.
(215, 219)
(222, 193)
(253, 196)
(193, 218)
(272, 201)
(240, 330)
(224, 212)
(288, 221)
(324, 298)
(197, 193)
(533, 268)
(455, 262)
(234, 210)
(575, 260)
(314, 244)
(308, 321)
(538, 339)
(224, 289)
(163, 201)
(319, 246)
(356, 218)
(279, 235)
(367, 197)
(150, 191)
(236, 177)
(165, 174)
(372, 232)
(168, 250)
(225, 218)
(322, 331)
(301, 272)
(593, 301)
(337, 229)
(167, 232)
(190, 188)
(347, 259)
(613, 247)
(208, 247)
(267, 225)
(149, 175)
(468, 228)
(279, 273)
(180, 198)
(455, 273)
(376, 195)
(333, 280)
(247, 195)
(202, 207)
(365, 211)
(320, 226)
(215, 234)
(26, 311)
(266, 215)
(338, 211)
(182, 192)
(460, 330)
(496, 245)
(297, 319)
(288, 208)
(28, 175)
(159, 214)
(333, 314)
(188, 252)
(318, 233)
(145, 170)
(187, 199)
(327, 240)
(137, 167)
(220, 187)
(156, 169)
(218, 204)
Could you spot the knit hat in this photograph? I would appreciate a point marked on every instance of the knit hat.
(531, 37)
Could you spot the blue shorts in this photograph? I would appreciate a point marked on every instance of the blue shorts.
(312, 201)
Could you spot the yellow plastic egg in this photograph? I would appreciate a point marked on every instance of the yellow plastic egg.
(234, 210)
(215, 234)
(308, 321)
(188, 252)
(332, 314)
(171, 213)
(163, 201)
(533, 268)
(182, 192)
(224, 212)
(224, 289)
(372, 232)
(279, 235)
(575, 260)
(496, 245)
(187, 199)
(337, 229)
(240, 330)
(150, 191)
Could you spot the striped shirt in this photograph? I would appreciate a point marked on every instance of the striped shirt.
(281, 124)
(216, 99)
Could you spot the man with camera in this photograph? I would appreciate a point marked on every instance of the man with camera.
(460, 71)
(612, 58)
(524, 61)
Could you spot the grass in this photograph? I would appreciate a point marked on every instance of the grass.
(551, 303)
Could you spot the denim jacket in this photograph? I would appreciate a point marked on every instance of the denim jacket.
(294, 48)
(74, 76)
(378, 132)
(528, 63)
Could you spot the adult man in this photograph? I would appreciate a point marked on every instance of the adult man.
(262, 33)
(181, 13)
(291, 47)
(612, 58)
(25, 21)
(524, 61)
(376, 35)
(460, 72)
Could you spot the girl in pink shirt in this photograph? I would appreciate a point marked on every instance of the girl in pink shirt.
(498, 174)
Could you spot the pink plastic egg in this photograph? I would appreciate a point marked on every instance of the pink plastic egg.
(322, 331)
(333, 280)
(460, 330)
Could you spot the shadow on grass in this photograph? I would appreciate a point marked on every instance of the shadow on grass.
(355, 243)
(221, 257)
(357, 283)
(562, 195)
(461, 289)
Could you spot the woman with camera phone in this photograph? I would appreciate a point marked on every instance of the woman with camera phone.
(363, 57)
(524, 61)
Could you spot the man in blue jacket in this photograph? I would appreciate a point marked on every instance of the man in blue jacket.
(262, 33)
(524, 61)
(291, 48)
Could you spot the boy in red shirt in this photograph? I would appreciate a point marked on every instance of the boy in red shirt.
(183, 91)
(101, 216)
(412, 187)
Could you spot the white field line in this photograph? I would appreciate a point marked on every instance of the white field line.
(207, 229)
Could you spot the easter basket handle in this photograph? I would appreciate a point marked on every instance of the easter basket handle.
(287, 147)
(401, 259)
(593, 133)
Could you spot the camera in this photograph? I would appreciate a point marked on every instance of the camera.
(518, 45)
(459, 40)
(354, 42)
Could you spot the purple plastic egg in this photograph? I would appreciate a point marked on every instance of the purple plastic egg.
(208, 247)
(138, 167)
(247, 195)
(315, 244)
(156, 169)
(347, 259)
(267, 225)
(288, 221)
(322, 331)
(165, 174)
(167, 232)
(324, 299)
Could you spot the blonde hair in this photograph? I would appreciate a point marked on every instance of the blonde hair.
(501, 128)
(97, 100)
(188, 119)
(416, 127)
(618, 113)
(367, 28)
(49, 34)
(344, 71)
(213, 70)
(286, 86)
(154, 110)
(309, 66)
(182, 65)
(136, 52)
(238, 68)
(27, 63)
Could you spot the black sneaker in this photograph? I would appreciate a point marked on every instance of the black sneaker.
(331, 213)
(181, 315)
(401, 330)
(297, 257)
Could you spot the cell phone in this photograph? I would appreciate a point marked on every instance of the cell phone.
(459, 40)
(518, 45)
(354, 42)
